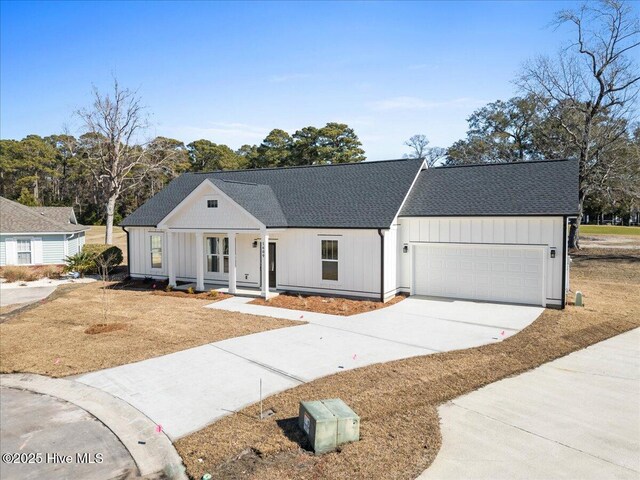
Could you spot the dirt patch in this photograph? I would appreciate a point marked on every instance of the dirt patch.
(398, 401)
(330, 305)
(105, 328)
(49, 338)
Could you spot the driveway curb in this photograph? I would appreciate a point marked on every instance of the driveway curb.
(155, 455)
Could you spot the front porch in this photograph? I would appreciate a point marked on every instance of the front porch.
(229, 261)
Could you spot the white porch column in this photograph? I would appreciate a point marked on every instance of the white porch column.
(232, 262)
(171, 267)
(199, 261)
(265, 265)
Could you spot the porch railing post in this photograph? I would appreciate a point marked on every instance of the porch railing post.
(232, 262)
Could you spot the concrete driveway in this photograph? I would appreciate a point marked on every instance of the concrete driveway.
(576, 417)
(33, 423)
(12, 296)
(187, 390)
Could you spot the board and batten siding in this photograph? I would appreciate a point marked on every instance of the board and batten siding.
(193, 213)
(299, 262)
(541, 231)
(185, 257)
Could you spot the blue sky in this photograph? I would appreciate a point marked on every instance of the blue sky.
(230, 72)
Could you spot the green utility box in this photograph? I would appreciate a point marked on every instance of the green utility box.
(328, 424)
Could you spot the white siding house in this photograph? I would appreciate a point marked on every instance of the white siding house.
(370, 230)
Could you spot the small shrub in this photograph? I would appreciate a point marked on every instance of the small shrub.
(191, 290)
(82, 262)
(168, 288)
(213, 293)
(13, 273)
(108, 256)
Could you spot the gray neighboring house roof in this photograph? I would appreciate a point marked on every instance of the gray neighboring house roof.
(18, 218)
(522, 188)
(352, 195)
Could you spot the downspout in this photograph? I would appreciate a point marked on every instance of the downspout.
(381, 264)
(128, 252)
(565, 254)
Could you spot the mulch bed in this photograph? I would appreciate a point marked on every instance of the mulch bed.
(398, 401)
(159, 287)
(329, 305)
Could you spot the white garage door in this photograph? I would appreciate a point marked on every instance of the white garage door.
(499, 273)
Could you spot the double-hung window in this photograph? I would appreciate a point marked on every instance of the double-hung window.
(329, 259)
(218, 254)
(24, 251)
(156, 250)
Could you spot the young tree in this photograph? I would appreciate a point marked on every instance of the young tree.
(115, 123)
(593, 77)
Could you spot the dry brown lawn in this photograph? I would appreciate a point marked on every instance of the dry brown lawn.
(69, 334)
(330, 305)
(398, 401)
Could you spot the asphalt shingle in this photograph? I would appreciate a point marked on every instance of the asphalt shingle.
(522, 188)
(18, 218)
(354, 195)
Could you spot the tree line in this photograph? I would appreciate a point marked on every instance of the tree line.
(580, 104)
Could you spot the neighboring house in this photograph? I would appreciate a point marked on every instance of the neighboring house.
(487, 232)
(37, 235)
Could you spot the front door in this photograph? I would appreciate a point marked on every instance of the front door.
(272, 265)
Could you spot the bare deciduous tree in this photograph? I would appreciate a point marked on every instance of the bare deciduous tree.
(117, 159)
(592, 78)
(420, 146)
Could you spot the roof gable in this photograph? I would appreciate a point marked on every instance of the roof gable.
(521, 188)
(355, 195)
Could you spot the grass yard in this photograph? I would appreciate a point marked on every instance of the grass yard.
(398, 401)
(608, 230)
(96, 235)
(68, 334)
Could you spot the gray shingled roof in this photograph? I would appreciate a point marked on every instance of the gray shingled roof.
(355, 195)
(18, 218)
(62, 215)
(522, 188)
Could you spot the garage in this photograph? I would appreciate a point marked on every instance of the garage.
(496, 273)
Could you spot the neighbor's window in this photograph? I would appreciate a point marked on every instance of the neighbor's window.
(329, 259)
(24, 252)
(217, 254)
(212, 203)
(156, 251)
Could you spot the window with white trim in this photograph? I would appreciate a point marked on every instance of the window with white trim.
(212, 203)
(218, 254)
(23, 247)
(156, 250)
(329, 254)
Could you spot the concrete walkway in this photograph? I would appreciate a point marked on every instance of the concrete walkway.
(188, 390)
(576, 417)
(28, 292)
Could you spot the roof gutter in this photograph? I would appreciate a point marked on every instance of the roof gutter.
(381, 264)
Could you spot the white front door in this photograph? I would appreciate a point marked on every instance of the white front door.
(498, 273)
